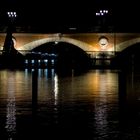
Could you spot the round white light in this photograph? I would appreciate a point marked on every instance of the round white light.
(103, 42)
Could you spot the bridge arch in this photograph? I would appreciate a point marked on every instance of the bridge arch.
(122, 46)
(84, 46)
(128, 56)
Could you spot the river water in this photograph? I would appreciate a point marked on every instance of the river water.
(95, 105)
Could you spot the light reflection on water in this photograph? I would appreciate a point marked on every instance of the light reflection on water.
(11, 107)
(11, 118)
(89, 106)
(56, 89)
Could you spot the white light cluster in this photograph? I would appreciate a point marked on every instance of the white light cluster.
(102, 12)
(11, 14)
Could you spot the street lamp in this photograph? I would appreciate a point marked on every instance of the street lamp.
(8, 44)
(11, 14)
(10, 56)
(102, 14)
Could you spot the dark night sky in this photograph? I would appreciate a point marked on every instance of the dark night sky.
(73, 13)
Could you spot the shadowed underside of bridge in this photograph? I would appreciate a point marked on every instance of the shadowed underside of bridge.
(64, 54)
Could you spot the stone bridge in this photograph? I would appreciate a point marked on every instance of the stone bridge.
(89, 42)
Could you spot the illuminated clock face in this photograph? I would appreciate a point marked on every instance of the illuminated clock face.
(103, 42)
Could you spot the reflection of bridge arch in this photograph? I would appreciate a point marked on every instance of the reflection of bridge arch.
(122, 46)
(84, 46)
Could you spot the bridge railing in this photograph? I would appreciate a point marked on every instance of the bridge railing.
(101, 54)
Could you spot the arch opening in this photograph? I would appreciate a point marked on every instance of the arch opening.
(59, 55)
(128, 58)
